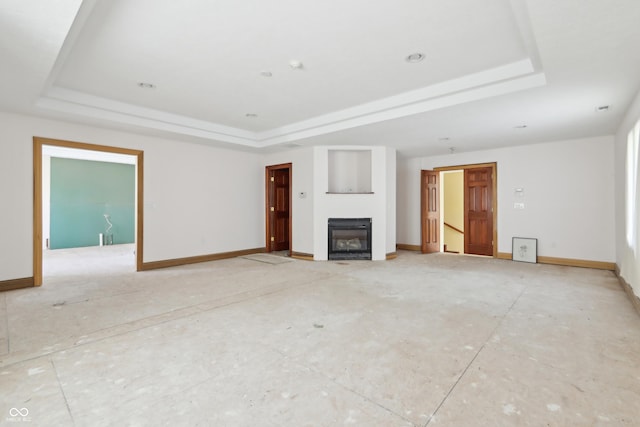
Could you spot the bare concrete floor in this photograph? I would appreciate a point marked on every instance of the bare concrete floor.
(438, 340)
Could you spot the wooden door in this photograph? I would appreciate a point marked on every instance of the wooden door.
(278, 208)
(430, 211)
(478, 211)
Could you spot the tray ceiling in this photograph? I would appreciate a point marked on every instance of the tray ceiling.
(220, 72)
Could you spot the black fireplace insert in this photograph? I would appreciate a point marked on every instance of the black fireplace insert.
(349, 238)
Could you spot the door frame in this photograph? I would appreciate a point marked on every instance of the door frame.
(494, 184)
(267, 199)
(38, 142)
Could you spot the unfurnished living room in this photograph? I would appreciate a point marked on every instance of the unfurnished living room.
(320, 213)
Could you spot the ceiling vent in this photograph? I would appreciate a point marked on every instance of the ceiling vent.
(415, 57)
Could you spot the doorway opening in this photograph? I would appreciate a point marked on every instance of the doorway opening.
(278, 208)
(458, 210)
(452, 202)
(42, 145)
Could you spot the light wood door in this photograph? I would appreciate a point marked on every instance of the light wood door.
(430, 211)
(278, 208)
(478, 215)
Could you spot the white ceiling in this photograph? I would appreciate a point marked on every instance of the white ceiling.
(489, 66)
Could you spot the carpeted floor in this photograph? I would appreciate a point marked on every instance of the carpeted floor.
(438, 340)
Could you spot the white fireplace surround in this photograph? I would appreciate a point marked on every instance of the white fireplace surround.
(356, 196)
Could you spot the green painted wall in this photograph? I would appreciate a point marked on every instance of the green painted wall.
(82, 191)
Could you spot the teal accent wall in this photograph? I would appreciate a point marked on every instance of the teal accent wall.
(82, 191)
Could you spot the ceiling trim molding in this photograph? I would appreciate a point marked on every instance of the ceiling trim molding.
(485, 84)
(516, 76)
(105, 104)
(523, 21)
(84, 11)
(510, 86)
(144, 122)
(414, 102)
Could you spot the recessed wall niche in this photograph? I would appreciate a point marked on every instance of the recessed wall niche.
(349, 171)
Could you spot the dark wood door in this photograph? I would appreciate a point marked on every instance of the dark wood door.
(279, 208)
(430, 211)
(478, 211)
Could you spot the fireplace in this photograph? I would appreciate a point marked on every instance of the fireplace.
(349, 238)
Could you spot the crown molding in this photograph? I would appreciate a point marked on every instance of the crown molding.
(501, 80)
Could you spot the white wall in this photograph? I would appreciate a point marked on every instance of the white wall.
(301, 160)
(627, 259)
(200, 200)
(391, 178)
(568, 196)
(16, 193)
(408, 201)
(46, 199)
(192, 193)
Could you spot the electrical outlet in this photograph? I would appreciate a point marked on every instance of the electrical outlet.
(518, 205)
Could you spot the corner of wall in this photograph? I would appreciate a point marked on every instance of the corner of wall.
(627, 258)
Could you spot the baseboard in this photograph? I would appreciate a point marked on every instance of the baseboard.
(599, 265)
(568, 262)
(302, 255)
(9, 285)
(153, 265)
(635, 299)
(404, 247)
(309, 257)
